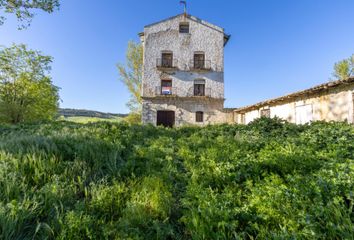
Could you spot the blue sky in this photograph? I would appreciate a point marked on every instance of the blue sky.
(277, 47)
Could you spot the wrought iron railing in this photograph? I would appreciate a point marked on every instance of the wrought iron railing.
(165, 91)
(206, 92)
(166, 63)
(200, 64)
(192, 92)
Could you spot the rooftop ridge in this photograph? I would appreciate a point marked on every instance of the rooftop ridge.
(314, 89)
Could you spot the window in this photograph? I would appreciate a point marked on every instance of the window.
(166, 87)
(242, 118)
(167, 60)
(265, 113)
(199, 88)
(184, 27)
(303, 114)
(199, 61)
(199, 117)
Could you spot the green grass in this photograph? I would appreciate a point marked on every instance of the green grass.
(266, 180)
(91, 119)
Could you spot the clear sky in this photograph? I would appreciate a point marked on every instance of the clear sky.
(277, 46)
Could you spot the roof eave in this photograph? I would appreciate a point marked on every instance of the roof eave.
(226, 39)
(312, 90)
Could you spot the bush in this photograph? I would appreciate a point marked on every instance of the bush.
(266, 180)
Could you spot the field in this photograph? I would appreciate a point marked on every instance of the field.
(90, 119)
(266, 180)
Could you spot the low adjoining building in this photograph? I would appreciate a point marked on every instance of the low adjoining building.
(332, 101)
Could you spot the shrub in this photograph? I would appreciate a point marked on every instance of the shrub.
(267, 180)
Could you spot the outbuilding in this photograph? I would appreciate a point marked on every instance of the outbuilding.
(332, 101)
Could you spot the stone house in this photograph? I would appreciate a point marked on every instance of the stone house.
(332, 101)
(183, 72)
(183, 82)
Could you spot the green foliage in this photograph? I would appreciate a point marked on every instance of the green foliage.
(131, 74)
(344, 69)
(24, 9)
(267, 180)
(90, 119)
(26, 92)
(133, 118)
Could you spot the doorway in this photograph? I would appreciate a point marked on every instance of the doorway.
(165, 118)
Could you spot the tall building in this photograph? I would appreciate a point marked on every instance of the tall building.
(183, 72)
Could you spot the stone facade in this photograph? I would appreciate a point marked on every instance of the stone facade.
(202, 38)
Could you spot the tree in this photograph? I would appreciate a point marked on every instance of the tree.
(24, 9)
(26, 90)
(131, 74)
(133, 118)
(344, 69)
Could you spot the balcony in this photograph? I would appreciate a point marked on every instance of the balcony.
(165, 91)
(199, 92)
(200, 65)
(166, 64)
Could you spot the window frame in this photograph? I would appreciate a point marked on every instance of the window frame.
(199, 60)
(170, 86)
(199, 84)
(265, 112)
(167, 59)
(199, 117)
(184, 27)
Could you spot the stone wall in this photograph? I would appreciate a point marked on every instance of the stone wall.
(165, 37)
(185, 110)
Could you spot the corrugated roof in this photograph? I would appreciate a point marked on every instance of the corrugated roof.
(313, 90)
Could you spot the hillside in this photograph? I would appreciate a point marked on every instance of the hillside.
(266, 180)
(67, 112)
(88, 116)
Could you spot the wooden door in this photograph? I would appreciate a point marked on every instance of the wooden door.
(165, 118)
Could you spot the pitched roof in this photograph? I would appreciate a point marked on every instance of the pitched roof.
(313, 90)
(196, 19)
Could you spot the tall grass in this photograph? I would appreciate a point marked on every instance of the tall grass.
(267, 180)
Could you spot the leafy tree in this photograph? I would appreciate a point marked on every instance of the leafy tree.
(26, 90)
(24, 9)
(133, 118)
(131, 74)
(344, 69)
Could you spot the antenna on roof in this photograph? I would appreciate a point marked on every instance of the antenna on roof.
(185, 7)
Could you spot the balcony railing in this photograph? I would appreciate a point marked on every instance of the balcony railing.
(197, 92)
(202, 65)
(165, 63)
(165, 91)
(190, 93)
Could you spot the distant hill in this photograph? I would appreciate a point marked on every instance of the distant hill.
(67, 112)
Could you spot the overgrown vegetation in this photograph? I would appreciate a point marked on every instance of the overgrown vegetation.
(27, 93)
(267, 180)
